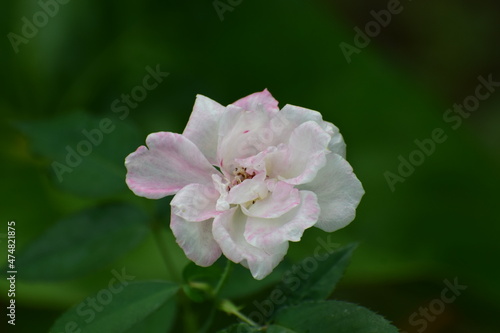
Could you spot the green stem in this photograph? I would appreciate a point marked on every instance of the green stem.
(223, 279)
(217, 289)
(245, 319)
(228, 307)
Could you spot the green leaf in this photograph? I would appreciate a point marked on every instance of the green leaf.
(241, 328)
(320, 283)
(278, 329)
(159, 321)
(86, 153)
(84, 242)
(135, 308)
(332, 316)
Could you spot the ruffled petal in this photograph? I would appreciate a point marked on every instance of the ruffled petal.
(196, 239)
(339, 193)
(169, 163)
(228, 229)
(203, 126)
(221, 186)
(248, 190)
(336, 144)
(265, 233)
(292, 116)
(282, 199)
(195, 202)
(257, 163)
(304, 155)
(259, 101)
(241, 134)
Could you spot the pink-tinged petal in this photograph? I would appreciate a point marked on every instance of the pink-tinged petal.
(283, 198)
(241, 134)
(257, 163)
(195, 202)
(248, 190)
(303, 157)
(259, 101)
(170, 163)
(203, 126)
(339, 193)
(196, 239)
(292, 116)
(228, 229)
(265, 233)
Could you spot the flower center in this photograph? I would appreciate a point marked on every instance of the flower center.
(240, 174)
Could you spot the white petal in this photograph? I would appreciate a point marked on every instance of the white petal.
(195, 202)
(170, 163)
(339, 193)
(257, 163)
(283, 198)
(203, 126)
(303, 157)
(265, 233)
(248, 190)
(228, 231)
(336, 144)
(196, 239)
(241, 134)
(293, 116)
(221, 187)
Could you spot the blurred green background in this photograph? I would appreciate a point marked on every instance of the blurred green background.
(441, 223)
